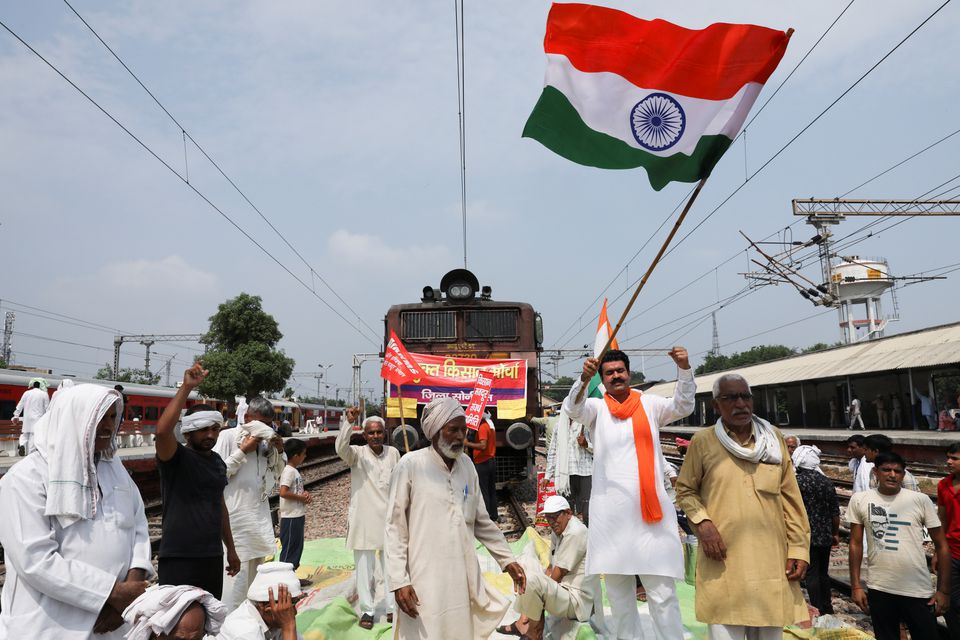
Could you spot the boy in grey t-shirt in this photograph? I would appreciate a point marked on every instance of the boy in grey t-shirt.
(293, 505)
(900, 587)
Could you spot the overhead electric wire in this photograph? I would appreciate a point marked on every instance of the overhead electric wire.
(219, 169)
(806, 127)
(199, 193)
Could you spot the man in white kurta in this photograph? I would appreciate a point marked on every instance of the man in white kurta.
(621, 543)
(269, 611)
(33, 404)
(73, 529)
(253, 467)
(370, 468)
(434, 513)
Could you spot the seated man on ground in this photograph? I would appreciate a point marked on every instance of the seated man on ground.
(565, 592)
(174, 612)
(268, 613)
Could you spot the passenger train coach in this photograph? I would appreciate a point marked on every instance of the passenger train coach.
(144, 403)
(455, 331)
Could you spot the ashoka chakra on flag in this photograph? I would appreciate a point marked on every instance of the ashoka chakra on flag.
(621, 92)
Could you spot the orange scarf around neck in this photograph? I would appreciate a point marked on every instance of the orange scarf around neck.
(632, 408)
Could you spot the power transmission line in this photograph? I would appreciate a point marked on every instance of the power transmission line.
(187, 135)
(199, 193)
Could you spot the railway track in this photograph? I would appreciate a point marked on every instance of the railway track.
(520, 521)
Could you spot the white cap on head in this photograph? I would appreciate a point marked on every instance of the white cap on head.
(270, 575)
(555, 504)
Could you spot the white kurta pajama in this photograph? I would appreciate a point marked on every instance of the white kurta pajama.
(369, 488)
(433, 517)
(620, 542)
(33, 404)
(58, 579)
(249, 476)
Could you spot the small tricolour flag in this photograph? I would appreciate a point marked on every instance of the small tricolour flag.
(595, 387)
(621, 92)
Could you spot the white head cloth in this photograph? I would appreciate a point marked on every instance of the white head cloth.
(159, 608)
(806, 456)
(766, 448)
(200, 420)
(65, 436)
(439, 412)
(66, 383)
(271, 575)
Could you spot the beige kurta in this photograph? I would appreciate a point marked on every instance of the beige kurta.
(369, 486)
(759, 513)
(433, 517)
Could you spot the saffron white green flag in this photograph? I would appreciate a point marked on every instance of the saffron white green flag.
(595, 387)
(621, 92)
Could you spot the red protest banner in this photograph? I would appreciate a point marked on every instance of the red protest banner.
(478, 401)
(398, 367)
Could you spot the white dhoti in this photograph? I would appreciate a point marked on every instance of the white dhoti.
(543, 594)
(369, 582)
(235, 587)
(662, 602)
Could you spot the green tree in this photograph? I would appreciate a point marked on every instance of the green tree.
(135, 376)
(242, 355)
(754, 355)
(558, 389)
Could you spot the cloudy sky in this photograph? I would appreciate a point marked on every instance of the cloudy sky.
(339, 122)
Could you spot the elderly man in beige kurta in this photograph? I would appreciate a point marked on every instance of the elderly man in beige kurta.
(370, 468)
(746, 490)
(435, 512)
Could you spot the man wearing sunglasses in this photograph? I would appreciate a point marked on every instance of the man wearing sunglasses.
(738, 488)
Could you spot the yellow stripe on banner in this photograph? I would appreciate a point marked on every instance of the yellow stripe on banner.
(409, 408)
(511, 409)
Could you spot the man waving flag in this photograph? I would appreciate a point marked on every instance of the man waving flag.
(595, 388)
(622, 92)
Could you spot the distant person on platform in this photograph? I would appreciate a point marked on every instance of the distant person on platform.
(899, 587)
(834, 413)
(565, 591)
(823, 513)
(570, 464)
(192, 481)
(633, 523)
(880, 404)
(434, 515)
(855, 414)
(927, 410)
(73, 530)
(253, 453)
(738, 487)
(948, 511)
(371, 466)
(33, 404)
(483, 450)
(896, 412)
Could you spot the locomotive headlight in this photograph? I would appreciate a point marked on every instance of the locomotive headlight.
(460, 291)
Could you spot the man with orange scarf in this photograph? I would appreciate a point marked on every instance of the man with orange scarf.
(633, 525)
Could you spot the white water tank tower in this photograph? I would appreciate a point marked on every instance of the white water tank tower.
(861, 281)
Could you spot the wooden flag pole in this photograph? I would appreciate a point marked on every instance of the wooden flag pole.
(406, 442)
(646, 276)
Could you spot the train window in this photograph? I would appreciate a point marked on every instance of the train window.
(492, 324)
(429, 325)
(134, 412)
(151, 413)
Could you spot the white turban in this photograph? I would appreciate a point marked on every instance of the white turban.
(159, 609)
(65, 437)
(270, 575)
(439, 412)
(200, 420)
(806, 456)
(66, 383)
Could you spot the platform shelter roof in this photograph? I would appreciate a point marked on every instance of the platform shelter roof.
(936, 346)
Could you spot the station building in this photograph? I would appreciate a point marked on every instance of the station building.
(796, 391)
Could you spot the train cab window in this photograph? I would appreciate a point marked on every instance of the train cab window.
(134, 412)
(429, 325)
(151, 414)
(492, 324)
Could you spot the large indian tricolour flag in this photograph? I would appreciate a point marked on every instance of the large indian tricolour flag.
(622, 92)
(595, 386)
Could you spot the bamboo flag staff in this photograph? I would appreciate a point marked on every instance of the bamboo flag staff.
(646, 276)
(406, 442)
(622, 92)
